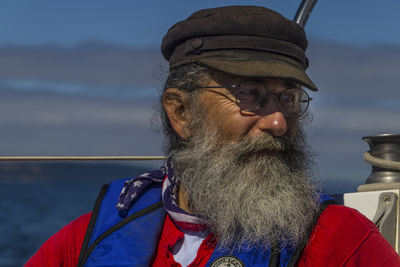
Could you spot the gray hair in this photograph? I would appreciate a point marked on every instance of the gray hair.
(187, 78)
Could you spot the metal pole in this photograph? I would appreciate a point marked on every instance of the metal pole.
(304, 12)
(80, 158)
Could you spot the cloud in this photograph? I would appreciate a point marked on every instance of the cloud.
(90, 62)
(64, 125)
(349, 71)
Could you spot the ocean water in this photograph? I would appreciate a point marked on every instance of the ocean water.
(37, 200)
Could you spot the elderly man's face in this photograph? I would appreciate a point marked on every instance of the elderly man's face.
(234, 124)
(247, 174)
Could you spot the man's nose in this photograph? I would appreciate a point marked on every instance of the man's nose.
(270, 120)
(274, 124)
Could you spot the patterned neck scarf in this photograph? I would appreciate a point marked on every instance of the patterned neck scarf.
(134, 188)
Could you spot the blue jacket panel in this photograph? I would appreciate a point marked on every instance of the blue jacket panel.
(129, 242)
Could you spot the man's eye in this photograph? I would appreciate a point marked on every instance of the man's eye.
(287, 98)
(248, 95)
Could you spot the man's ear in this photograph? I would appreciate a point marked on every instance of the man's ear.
(174, 101)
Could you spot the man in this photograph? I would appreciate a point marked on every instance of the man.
(237, 188)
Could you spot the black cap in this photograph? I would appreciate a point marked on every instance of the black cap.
(242, 40)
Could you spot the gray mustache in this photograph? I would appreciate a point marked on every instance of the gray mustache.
(267, 143)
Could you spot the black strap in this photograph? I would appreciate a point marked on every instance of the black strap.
(92, 222)
(274, 259)
(299, 249)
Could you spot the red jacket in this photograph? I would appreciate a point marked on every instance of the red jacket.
(342, 237)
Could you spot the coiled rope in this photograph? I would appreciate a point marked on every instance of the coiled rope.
(381, 163)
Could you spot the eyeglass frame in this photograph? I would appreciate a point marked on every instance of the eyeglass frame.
(233, 87)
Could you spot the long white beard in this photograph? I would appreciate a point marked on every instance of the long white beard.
(257, 192)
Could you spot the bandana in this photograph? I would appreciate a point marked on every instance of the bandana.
(135, 187)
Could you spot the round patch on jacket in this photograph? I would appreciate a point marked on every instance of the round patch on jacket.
(227, 261)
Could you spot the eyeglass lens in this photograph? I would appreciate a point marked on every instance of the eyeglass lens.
(250, 96)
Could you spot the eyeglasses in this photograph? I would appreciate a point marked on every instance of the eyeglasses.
(252, 95)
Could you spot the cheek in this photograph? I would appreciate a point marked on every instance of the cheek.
(233, 126)
(225, 116)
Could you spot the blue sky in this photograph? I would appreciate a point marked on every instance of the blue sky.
(143, 23)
